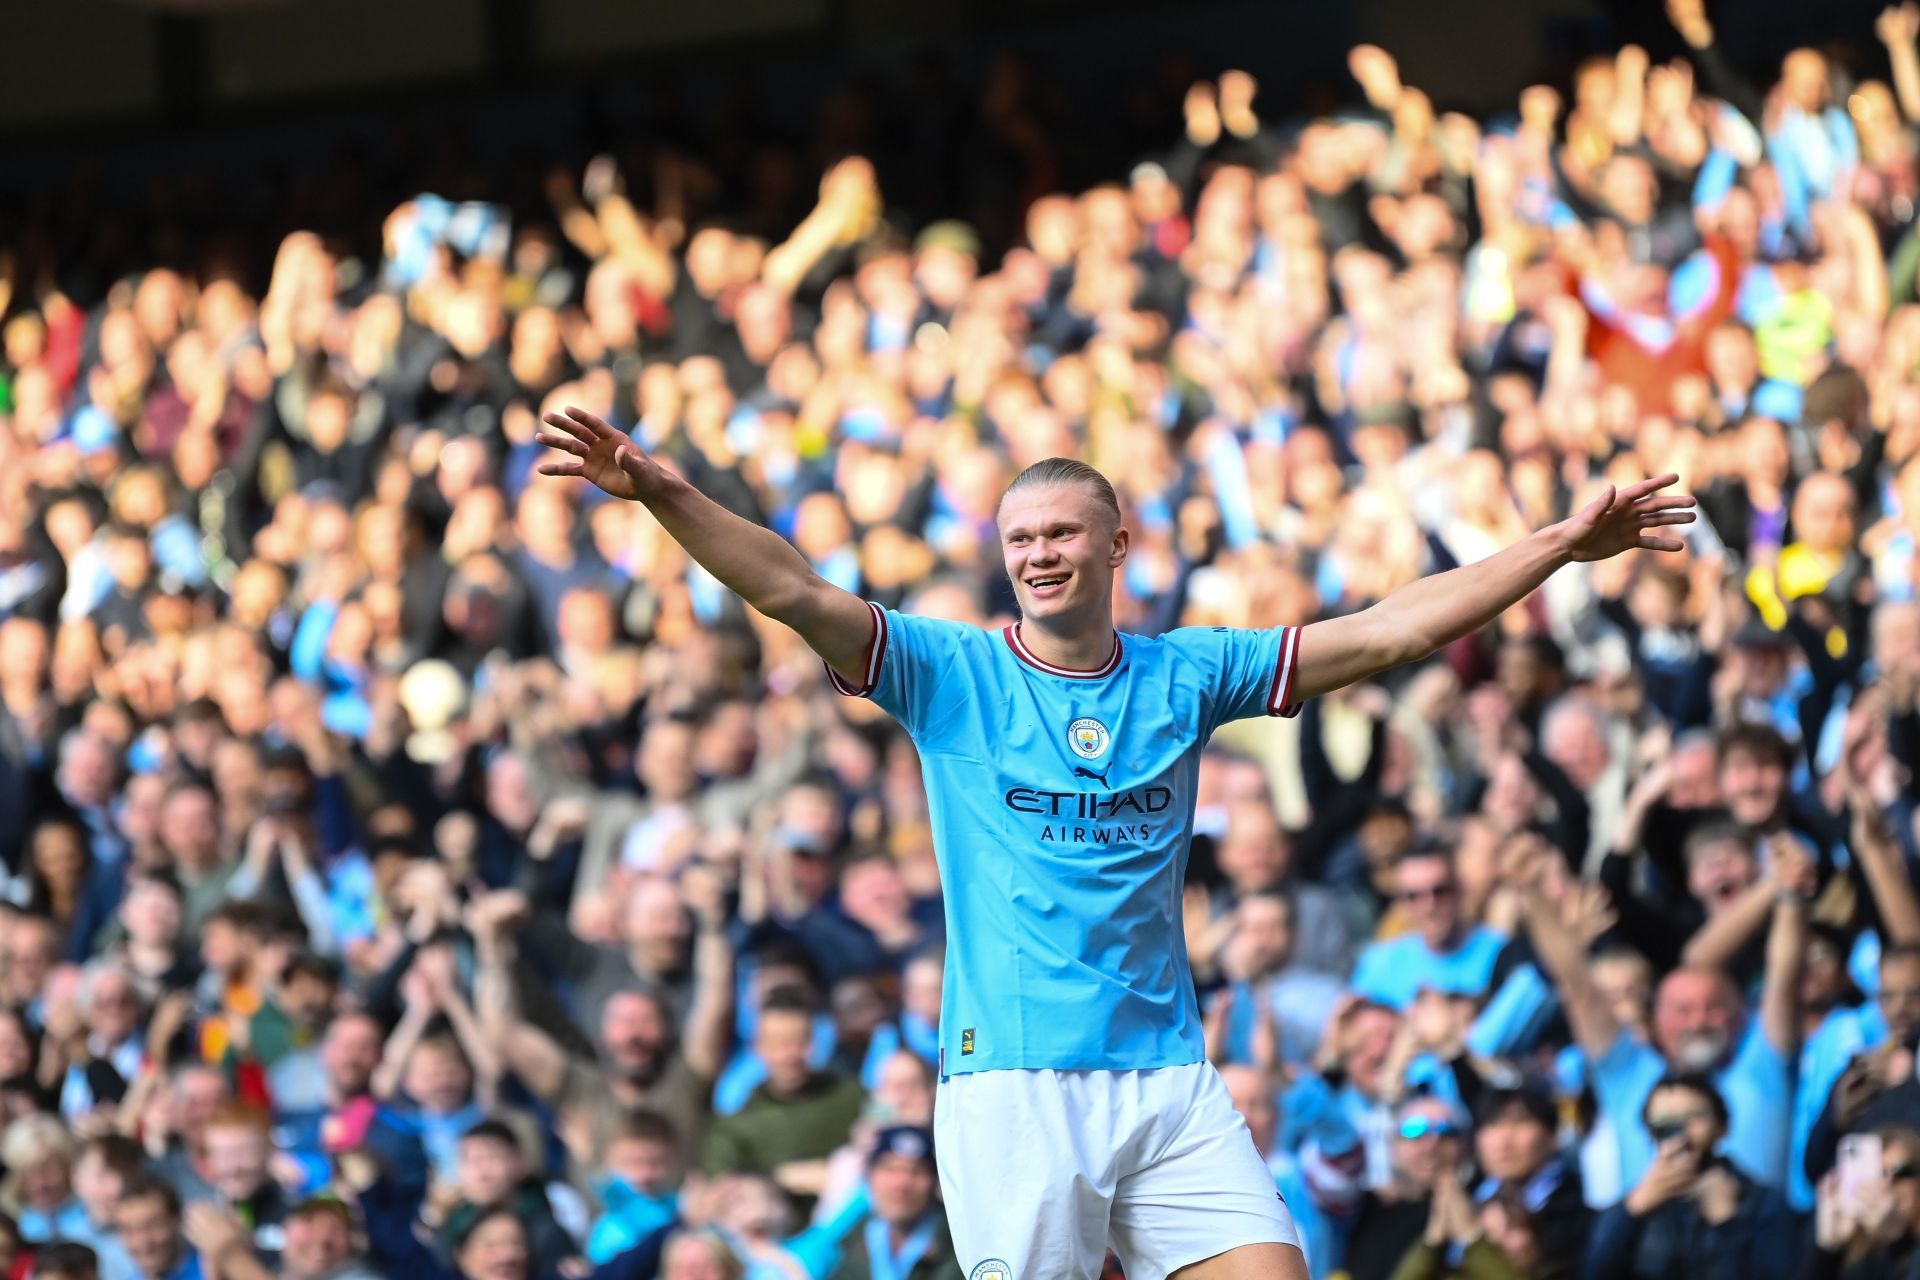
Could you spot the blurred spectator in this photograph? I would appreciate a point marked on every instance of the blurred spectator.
(366, 797)
(905, 1234)
(147, 1220)
(1693, 1210)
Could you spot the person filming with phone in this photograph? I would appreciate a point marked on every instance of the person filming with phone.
(1877, 1088)
(1866, 1221)
(1693, 1215)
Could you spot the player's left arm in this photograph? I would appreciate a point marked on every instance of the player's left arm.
(1422, 616)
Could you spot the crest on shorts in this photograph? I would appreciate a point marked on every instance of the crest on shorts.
(991, 1269)
(1088, 738)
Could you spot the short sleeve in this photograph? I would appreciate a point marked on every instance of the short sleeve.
(876, 650)
(1623, 1076)
(906, 669)
(1245, 673)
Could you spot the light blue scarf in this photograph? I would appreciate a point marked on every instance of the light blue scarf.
(888, 1265)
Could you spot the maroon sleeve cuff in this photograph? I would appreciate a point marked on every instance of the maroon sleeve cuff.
(1280, 697)
(876, 649)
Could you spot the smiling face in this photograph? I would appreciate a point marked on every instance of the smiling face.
(1720, 871)
(1430, 897)
(236, 1159)
(149, 1227)
(1754, 785)
(495, 1250)
(1062, 546)
(1696, 1016)
(318, 1241)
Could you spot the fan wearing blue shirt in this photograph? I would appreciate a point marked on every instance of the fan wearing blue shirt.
(1700, 1025)
(1078, 1111)
(1436, 952)
(147, 1220)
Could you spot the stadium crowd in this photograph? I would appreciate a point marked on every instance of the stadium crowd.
(414, 867)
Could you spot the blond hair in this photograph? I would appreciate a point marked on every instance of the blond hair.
(28, 1141)
(1064, 472)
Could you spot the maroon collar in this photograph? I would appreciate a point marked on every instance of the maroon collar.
(1026, 655)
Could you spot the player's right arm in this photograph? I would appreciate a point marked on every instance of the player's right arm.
(757, 564)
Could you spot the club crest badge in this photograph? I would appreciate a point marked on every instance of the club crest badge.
(992, 1268)
(1088, 738)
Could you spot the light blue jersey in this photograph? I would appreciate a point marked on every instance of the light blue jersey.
(1757, 1084)
(1061, 803)
(1394, 972)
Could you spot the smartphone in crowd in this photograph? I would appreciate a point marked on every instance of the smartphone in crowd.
(1859, 1169)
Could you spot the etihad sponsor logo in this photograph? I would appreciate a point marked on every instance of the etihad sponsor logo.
(1088, 804)
(1125, 833)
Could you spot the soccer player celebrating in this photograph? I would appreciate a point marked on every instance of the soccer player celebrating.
(1076, 1107)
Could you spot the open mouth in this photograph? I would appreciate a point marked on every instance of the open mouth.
(1044, 585)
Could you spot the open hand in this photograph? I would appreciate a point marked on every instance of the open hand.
(1862, 1082)
(496, 912)
(1202, 108)
(1587, 913)
(1793, 868)
(705, 893)
(210, 1229)
(1237, 90)
(1436, 1023)
(431, 978)
(599, 453)
(1653, 786)
(1689, 18)
(1377, 72)
(1619, 519)
(1898, 24)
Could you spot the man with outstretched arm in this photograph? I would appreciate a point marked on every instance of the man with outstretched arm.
(1077, 1109)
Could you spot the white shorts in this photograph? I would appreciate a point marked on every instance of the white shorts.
(1041, 1170)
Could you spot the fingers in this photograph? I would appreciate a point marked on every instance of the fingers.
(1662, 544)
(595, 427)
(561, 467)
(564, 443)
(1634, 492)
(1666, 517)
(1671, 502)
(579, 424)
(568, 425)
(1596, 511)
